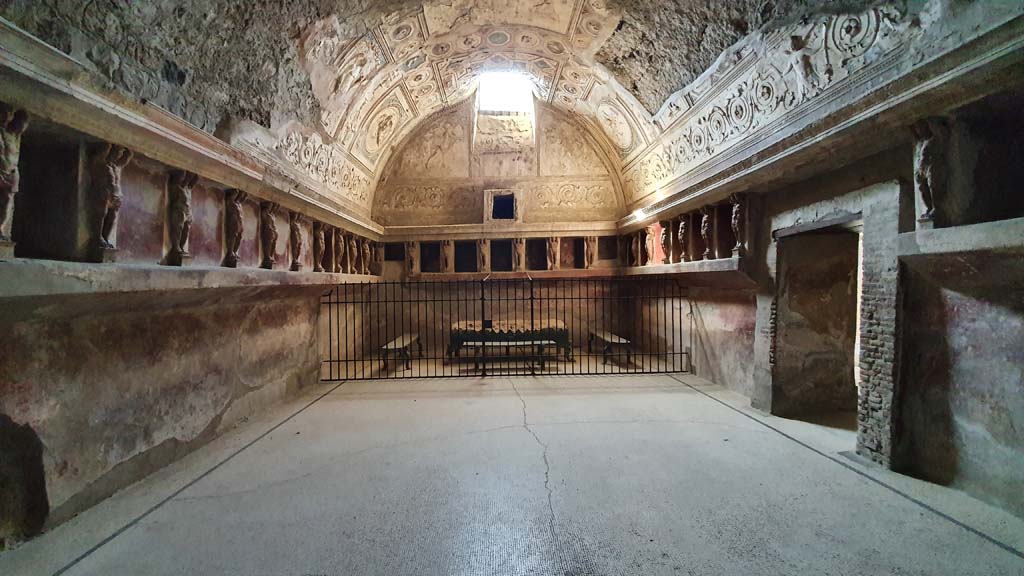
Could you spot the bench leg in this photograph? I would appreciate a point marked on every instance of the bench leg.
(384, 361)
(590, 344)
(419, 345)
(407, 356)
(605, 352)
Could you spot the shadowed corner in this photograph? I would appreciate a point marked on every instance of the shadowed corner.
(24, 505)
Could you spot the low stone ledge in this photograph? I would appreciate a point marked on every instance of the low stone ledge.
(25, 278)
(724, 272)
(719, 273)
(1003, 236)
(985, 260)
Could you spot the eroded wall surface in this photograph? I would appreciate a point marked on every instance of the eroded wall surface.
(116, 386)
(961, 411)
(723, 329)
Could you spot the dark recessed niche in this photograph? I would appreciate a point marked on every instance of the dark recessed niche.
(465, 256)
(504, 207)
(430, 256)
(537, 254)
(394, 252)
(607, 248)
(501, 255)
(579, 253)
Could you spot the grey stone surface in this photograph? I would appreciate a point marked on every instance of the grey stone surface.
(613, 475)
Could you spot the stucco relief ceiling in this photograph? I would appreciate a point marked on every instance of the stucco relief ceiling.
(375, 88)
(332, 86)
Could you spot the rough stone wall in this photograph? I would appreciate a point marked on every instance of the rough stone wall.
(961, 412)
(116, 386)
(205, 61)
(660, 47)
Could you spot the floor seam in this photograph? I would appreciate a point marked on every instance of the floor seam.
(135, 521)
(547, 475)
(866, 476)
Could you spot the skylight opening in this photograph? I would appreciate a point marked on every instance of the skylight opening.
(505, 93)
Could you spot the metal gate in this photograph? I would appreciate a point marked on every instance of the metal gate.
(505, 327)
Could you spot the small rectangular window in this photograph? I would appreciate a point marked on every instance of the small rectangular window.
(504, 207)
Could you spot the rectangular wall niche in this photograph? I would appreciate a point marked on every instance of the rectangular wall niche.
(537, 254)
(465, 256)
(430, 257)
(607, 248)
(501, 255)
(579, 249)
(394, 252)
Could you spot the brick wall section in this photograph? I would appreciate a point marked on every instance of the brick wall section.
(839, 195)
(879, 329)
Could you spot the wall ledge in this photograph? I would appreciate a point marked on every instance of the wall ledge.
(1002, 236)
(984, 261)
(718, 273)
(27, 278)
(722, 272)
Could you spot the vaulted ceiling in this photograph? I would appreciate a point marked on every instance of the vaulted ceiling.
(336, 84)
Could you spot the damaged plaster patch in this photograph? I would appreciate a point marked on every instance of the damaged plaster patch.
(206, 61)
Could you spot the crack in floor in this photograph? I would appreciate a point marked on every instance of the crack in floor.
(547, 475)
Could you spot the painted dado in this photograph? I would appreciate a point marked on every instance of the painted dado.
(441, 174)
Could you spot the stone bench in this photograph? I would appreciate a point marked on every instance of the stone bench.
(401, 348)
(609, 342)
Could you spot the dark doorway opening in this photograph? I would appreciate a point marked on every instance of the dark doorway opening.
(814, 376)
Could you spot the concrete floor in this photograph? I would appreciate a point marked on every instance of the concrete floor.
(550, 476)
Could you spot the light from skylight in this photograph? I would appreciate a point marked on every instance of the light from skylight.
(505, 92)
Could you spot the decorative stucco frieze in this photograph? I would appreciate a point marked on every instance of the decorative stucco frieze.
(326, 164)
(759, 85)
